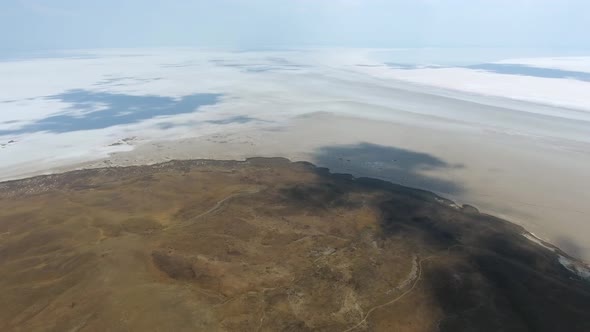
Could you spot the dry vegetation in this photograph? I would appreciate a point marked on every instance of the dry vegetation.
(266, 245)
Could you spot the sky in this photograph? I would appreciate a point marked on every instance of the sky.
(255, 24)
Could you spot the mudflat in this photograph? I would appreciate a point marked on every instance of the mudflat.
(268, 245)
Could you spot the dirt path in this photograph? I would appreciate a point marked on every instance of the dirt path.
(217, 206)
(394, 300)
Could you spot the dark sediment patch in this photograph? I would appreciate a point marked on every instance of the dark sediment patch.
(176, 267)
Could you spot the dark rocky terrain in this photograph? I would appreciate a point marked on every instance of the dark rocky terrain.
(267, 245)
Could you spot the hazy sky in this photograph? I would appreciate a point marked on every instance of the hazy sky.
(59, 24)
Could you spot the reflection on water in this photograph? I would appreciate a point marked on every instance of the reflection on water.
(97, 110)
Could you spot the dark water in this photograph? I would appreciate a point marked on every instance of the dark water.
(398, 165)
(115, 109)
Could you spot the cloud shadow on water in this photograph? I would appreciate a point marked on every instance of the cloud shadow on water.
(507, 69)
(240, 119)
(398, 165)
(234, 119)
(266, 65)
(478, 270)
(516, 69)
(97, 110)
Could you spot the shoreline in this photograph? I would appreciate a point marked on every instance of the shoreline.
(575, 265)
(534, 182)
(172, 232)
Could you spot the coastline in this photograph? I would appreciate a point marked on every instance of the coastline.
(29, 185)
(183, 229)
(537, 182)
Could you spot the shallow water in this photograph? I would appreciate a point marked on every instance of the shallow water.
(98, 110)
